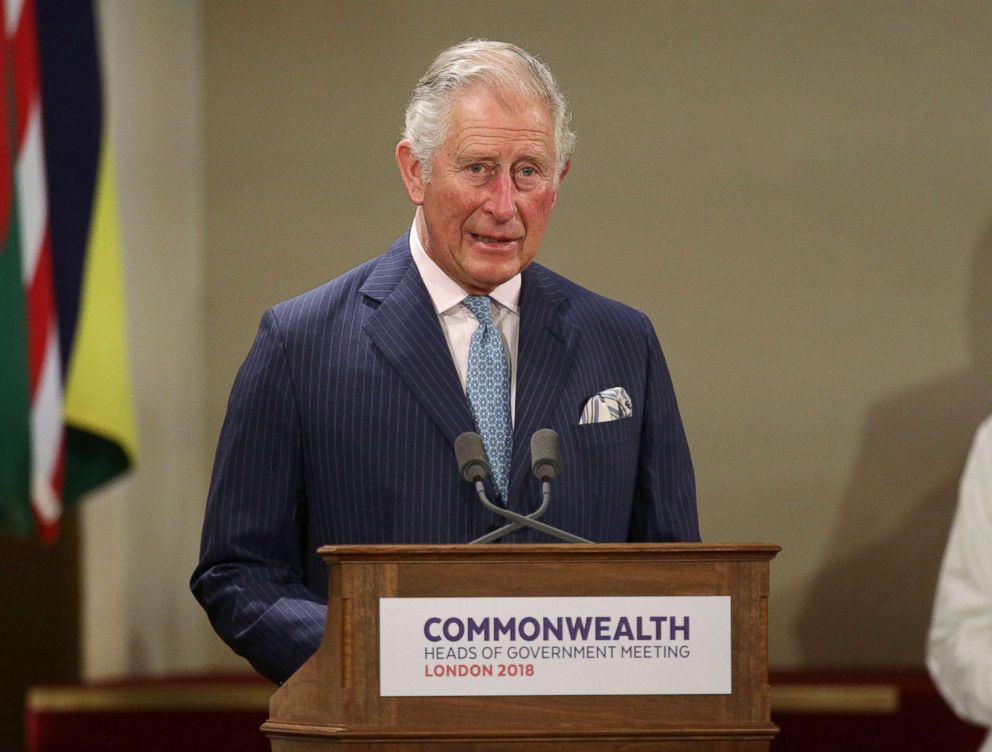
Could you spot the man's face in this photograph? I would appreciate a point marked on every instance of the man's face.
(491, 190)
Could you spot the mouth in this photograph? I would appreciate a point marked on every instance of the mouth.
(494, 242)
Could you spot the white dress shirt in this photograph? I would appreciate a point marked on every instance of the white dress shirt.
(959, 647)
(459, 323)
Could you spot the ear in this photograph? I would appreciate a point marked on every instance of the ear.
(564, 172)
(410, 171)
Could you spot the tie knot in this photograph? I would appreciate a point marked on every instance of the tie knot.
(480, 306)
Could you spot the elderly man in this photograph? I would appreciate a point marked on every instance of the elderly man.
(342, 420)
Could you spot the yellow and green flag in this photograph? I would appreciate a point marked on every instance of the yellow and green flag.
(66, 417)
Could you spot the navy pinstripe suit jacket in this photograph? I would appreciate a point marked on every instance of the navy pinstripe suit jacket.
(340, 429)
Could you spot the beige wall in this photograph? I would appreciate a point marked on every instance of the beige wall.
(798, 194)
(140, 537)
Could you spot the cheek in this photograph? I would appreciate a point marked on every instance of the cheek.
(537, 212)
(449, 224)
(459, 213)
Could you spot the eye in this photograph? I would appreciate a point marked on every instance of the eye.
(476, 169)
(528, 176)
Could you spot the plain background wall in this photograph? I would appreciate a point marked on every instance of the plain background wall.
(798, 194)
(140, 537)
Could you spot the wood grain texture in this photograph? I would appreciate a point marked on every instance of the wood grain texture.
(333, 701)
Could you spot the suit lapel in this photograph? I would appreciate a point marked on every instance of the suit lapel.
(544, 359)
(406, 330)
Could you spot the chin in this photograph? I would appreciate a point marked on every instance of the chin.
(493, 278)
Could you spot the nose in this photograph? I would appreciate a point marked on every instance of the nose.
(501, 204)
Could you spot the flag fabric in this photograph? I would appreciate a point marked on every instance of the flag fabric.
(66, 417)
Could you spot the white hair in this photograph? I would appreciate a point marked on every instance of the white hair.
(502, 67)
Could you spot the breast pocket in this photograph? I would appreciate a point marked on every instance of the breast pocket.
(607, 432)
(598, 474)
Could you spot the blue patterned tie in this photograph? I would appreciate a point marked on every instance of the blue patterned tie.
(488, 387)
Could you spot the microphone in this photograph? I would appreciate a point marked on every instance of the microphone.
(545, 454)
(471, 456)
(545, 463)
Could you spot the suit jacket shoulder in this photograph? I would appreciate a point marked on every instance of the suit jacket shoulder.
(376, 278)
(585, 307)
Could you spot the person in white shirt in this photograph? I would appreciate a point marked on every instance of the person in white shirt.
(959, 647)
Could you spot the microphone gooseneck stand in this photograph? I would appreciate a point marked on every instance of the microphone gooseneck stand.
(545, 463)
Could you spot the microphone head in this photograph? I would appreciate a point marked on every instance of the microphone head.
(471, 455)
(545, 454)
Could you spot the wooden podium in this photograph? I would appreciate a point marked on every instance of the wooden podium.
(334, 699)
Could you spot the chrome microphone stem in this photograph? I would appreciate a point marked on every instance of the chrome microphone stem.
(521, 520)
(514, 526)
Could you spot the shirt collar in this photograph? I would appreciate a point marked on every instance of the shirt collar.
(444, 291)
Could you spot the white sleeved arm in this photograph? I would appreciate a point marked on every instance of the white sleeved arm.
(959, 647)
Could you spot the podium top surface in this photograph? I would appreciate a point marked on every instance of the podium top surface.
(549, 552)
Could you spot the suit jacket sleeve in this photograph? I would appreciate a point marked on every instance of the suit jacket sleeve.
(665, 493)
(251, 575)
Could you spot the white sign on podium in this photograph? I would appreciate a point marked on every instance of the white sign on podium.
(657, 645)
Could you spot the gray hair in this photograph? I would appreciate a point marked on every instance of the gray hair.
(502, 67)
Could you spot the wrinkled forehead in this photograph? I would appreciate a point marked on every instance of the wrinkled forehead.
(509, 145)
(482, 104)
(511, 96)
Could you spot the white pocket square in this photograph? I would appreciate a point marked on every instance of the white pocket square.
(609, 404)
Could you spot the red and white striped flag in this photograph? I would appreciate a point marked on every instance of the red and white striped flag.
(66, 422)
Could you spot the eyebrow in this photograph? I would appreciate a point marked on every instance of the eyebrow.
(470, 158)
